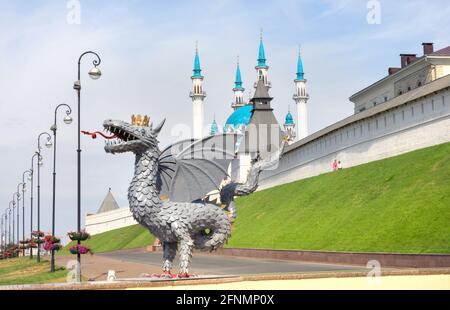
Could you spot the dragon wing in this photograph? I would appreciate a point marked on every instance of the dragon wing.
(189, 170)
(168, 164)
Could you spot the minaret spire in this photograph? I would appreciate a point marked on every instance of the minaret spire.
(301, 99)
(238, 89)
(262, 67)
(198, 96)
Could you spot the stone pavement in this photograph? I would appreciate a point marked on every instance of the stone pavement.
(134, 263)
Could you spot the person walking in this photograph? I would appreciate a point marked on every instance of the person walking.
(339, 165)
(335, 165)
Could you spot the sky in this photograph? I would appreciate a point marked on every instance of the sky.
(147, 51)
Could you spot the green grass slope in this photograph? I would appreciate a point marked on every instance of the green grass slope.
(129, 237)
(400, 204)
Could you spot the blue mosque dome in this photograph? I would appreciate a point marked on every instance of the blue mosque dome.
(289, 119)
(240, 117)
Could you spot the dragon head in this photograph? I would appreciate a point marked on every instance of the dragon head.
(137, 137)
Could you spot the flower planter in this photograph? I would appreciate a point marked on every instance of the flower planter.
(79, 236)
(52, 246)
(36, 234)
(80, 249)
(51, 239)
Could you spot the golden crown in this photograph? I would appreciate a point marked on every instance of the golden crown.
(138, 120)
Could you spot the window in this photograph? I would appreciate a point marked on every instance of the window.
(393, 117)
(376, 124)
(374, 104)
(412, 111)
(432, 104)
(403, 115)
(409, 88)
(400, 92)
(419, 84)
(385, 98)
(423, 110)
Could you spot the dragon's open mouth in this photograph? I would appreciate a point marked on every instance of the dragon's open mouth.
(119, 135)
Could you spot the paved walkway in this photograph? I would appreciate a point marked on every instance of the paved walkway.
(428, 282)
(133, 263)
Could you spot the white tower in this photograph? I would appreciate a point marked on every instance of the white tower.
(198, 96)
(262, 68)
(238, 89)
(301, 99)
(289, 127)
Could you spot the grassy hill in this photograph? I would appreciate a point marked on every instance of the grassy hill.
(400, 204)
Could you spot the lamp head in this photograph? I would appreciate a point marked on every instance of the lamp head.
(68, 119)
(95, 73)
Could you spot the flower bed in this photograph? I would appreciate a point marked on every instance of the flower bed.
(81, 249)
(79, 236)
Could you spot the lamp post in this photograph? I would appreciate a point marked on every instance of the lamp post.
(30, 173)
(9, 223)
(36, 154)
(54, 127)
(18, 208)
(48, 144)
(95, 74)
(13, 220)
(2, 235)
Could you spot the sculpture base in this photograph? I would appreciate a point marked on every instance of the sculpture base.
(150, 278)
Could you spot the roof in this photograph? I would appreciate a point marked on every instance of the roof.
(239, 117)
(289, 120)
(108, 204)
(238, 82)
(300, 73)
(261, 55)
(197, 70)
(261, 92)
(442, 52)
(214, 128)
(427, 89)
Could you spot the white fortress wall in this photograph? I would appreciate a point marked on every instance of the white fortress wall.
(106, 221)
(415, 120)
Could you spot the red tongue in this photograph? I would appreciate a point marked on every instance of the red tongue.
(94, 135)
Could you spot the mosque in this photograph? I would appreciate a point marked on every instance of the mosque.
(254, 117)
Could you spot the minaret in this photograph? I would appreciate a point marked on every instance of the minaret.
(262, 67)
(197, 95)
(238, 89)
(289, 127)
(214, 128)
(301, 99)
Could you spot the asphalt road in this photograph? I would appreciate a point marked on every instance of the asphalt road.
(230, 265)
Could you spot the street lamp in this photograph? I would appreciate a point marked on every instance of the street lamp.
(48, 144)
(67, 120)
(30, 173)
(2, 235)
(9, 223)
(18, 208)
(31, 177)
(13, 220)
(95, 74)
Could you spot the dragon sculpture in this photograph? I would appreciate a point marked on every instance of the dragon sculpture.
(167, 192)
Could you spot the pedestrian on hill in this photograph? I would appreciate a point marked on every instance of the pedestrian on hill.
(339, 165)
(335, 165)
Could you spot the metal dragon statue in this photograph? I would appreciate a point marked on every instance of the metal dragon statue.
(167, 192)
